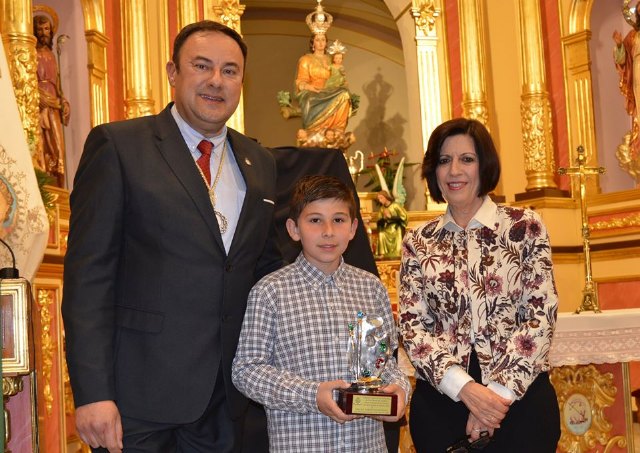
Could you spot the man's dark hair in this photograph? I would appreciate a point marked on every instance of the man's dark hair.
(312, 188)
(205, 26)
(488, 160)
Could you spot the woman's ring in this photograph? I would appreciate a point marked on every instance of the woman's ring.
(477, 429)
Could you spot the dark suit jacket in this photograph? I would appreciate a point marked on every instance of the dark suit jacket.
(152, 304)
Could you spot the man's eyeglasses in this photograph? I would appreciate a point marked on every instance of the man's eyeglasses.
(464, 446)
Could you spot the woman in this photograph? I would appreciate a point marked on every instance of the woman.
(478, 307)
(321, 108)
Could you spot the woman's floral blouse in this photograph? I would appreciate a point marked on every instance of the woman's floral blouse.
(491, 284)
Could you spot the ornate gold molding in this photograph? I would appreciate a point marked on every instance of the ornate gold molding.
(583, 394)
(228, 12)
(22, 60)
(624, 221)
(47, 347)
(424, 12)
(388, 270)
(11, 385)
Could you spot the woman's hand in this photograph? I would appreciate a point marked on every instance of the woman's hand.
(475, 427)
(486, 406)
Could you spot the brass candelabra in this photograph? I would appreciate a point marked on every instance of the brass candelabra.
(589, 293)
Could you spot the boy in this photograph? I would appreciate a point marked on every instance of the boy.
(293, 345)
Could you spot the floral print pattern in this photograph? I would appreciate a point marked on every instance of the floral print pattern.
(490, 285)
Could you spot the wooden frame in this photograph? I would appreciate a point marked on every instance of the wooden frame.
(15, 297)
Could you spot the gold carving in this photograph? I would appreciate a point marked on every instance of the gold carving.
(22, 66)
(626, 160)
(599, 392)
(476, 110)
(47, 345)
(617, 222)
(228, 12)
(425, 14)
(11, 385)
(536, 135)
(388, 270)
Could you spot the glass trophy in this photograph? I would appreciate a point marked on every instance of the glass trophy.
(367, 352)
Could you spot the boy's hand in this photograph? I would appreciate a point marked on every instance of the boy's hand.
(326, 403)
(393, 388)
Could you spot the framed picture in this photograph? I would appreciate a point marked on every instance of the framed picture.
(15, 297)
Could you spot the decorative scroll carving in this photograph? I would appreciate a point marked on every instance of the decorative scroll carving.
(228, 12)
(535, 111)
(583, 394)
(425, 14)
(22, 66)
(388, 271)
(476, 110)
(47, 348)
(628, 221)
(11, 385)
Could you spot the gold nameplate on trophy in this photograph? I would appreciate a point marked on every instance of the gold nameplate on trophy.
(373, 402)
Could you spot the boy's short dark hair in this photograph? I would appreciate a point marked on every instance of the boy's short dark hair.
(312, 188)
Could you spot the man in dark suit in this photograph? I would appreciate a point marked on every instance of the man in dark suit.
(167, 237)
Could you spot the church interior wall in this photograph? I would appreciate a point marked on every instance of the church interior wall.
(277, 37)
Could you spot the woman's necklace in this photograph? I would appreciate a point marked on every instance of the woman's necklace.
(223, 223)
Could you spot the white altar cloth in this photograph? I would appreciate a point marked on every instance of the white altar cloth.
(609, 337)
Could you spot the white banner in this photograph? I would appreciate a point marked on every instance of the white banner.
(23, 219)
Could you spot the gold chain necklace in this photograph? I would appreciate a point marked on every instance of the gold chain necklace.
(223, 223)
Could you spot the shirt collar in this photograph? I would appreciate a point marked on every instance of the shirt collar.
(485, 216)
(315, 276)
(193, 137)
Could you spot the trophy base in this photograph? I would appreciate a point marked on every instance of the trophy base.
(354, 401)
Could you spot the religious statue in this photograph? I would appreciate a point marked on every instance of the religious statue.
(54, 108)
(392, 216)
(627, 60)
(324, 101)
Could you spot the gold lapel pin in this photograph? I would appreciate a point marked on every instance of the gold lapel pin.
(247, 161)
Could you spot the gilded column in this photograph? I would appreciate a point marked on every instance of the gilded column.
(97, 41)
(137, 80)
(187, 12)
(535, 108)
(472, 49)
(16, 25)
(429, 45)
(228, 12)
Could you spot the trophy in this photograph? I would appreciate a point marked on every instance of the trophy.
(367, 351)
